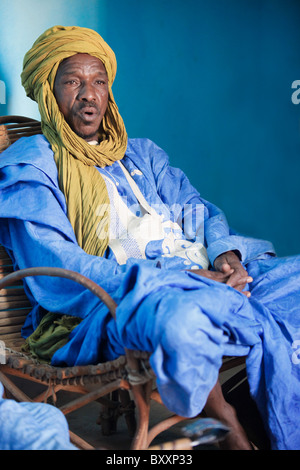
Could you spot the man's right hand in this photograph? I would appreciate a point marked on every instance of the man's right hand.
(221, 276)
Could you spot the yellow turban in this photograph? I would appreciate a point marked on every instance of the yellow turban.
(83, 187)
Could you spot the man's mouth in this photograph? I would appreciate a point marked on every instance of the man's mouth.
(88, 113)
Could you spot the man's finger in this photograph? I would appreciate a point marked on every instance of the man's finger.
(225, 267)
(243, 280)
(236, 280)
(246, 293)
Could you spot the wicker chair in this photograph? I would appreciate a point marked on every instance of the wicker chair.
(110, 381)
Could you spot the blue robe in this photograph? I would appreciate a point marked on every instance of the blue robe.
(186, 321)
(32, 426)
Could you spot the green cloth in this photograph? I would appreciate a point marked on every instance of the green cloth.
(51, 334)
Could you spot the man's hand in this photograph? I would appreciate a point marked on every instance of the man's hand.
(214, 275)
(229, 263)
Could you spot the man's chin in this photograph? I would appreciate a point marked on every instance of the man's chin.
(87, 130)
(87, 134)
(88, 137)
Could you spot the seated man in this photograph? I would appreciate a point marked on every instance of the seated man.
(189, 290)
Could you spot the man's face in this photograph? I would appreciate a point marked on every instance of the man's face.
(81, 92)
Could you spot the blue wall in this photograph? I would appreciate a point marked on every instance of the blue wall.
(210, 82)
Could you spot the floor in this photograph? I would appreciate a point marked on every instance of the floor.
(84, 423)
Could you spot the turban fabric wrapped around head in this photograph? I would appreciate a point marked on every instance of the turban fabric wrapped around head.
(83, 187)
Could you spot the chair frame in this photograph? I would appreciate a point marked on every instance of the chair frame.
(129, 373)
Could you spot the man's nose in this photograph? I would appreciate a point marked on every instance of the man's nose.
(86, 92)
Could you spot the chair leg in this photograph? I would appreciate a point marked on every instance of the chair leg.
(110, 413)
(142, 395)
(80, 443)
(128, 409)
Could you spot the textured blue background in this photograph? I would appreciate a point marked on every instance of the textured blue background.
(210, 82)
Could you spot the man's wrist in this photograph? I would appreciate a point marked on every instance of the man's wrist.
(229, 256)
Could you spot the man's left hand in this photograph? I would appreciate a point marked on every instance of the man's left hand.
(239, 278)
